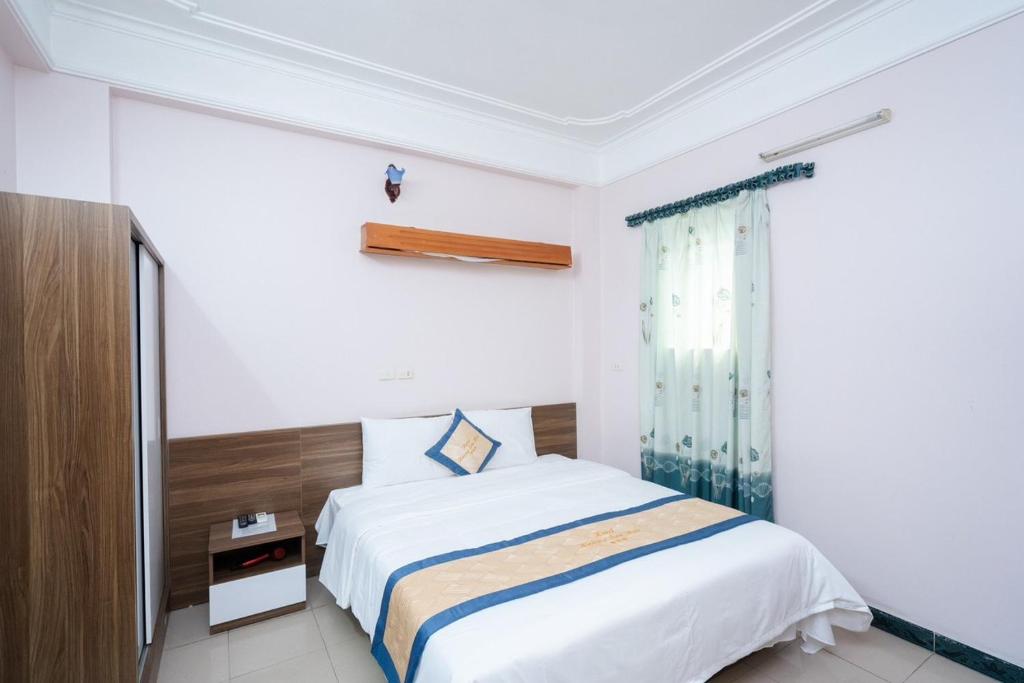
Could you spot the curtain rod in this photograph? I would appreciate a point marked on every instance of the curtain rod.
(779, 175)
(880, 117)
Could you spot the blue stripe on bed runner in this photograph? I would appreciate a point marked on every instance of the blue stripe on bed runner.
(462, 610)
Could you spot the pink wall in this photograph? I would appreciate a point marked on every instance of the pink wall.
(8, 163)
(275, 319)
(896, 328)
(63, 135)
(587, 317)
(897, 332)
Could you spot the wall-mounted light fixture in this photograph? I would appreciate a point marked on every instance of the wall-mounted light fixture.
(393, 185)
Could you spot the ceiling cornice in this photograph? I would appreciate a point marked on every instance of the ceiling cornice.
(859, 47)
(25, 32)
(133, 55)
(195, 13)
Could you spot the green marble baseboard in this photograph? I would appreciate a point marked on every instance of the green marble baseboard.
(972, 658)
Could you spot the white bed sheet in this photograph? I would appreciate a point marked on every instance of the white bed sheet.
(677, 615)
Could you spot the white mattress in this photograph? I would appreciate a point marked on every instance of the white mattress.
(678, 615)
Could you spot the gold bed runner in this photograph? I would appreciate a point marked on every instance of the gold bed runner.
(427, 595)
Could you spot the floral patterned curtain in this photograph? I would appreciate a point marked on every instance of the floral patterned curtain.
(705, 353)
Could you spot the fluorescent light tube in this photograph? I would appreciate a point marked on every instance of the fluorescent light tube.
(876, 119)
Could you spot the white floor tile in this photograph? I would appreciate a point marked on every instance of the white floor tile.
(292, 648)
(312, 668)
(941, 670)
(337, 624)
(728, 674)
(187, 625)
(317, 595)
(353, 662)
(751, 676)
(731, 673)
(757, 658)
(272, 642)
(793, 665)
(205, 661)
(880, 653)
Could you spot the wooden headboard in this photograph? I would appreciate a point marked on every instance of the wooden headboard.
(215, 478)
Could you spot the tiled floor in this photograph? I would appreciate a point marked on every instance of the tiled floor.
(324, 644)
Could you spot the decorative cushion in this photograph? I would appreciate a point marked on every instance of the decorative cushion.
(464, 448)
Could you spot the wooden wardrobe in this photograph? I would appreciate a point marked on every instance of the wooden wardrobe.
(82, 443)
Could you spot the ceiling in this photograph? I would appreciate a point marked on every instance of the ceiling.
(585, 69)
(574, 90)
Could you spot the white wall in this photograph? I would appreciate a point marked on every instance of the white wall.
(63, 135)
(274, 318)
(8, 163)
(898, 331)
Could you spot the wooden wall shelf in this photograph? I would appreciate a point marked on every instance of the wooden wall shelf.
(396, 240)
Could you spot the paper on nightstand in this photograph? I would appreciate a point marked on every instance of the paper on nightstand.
(254, 529)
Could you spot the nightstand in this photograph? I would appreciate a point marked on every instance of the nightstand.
(244, 595)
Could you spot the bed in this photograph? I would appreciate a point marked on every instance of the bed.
(679, 614)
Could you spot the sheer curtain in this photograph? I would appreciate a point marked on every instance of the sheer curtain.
(705, 372)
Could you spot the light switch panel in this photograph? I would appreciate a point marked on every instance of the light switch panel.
(405, 373)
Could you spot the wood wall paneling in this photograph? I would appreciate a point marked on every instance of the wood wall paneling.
(215, 478)
(554, 429)
(331, 458)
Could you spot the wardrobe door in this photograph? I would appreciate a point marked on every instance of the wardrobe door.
(140, 583)
(152, 436)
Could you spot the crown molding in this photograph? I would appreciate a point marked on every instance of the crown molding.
(195, 13)
(273, 49)
(25, 32)
(134, 55)
(898, 30)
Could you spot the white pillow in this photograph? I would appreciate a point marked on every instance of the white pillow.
(394, 451)
(513, 428)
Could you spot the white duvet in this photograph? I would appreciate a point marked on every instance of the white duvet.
(678, 615)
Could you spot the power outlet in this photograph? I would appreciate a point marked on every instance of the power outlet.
(385, 375)
(404, 373)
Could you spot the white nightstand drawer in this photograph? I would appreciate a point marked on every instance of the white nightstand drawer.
(252, 595)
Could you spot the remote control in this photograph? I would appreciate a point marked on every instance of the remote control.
(261, 517)
(243, 521)
(252, 518)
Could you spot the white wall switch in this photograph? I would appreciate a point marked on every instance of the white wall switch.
(385, 375)
(404, 373)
